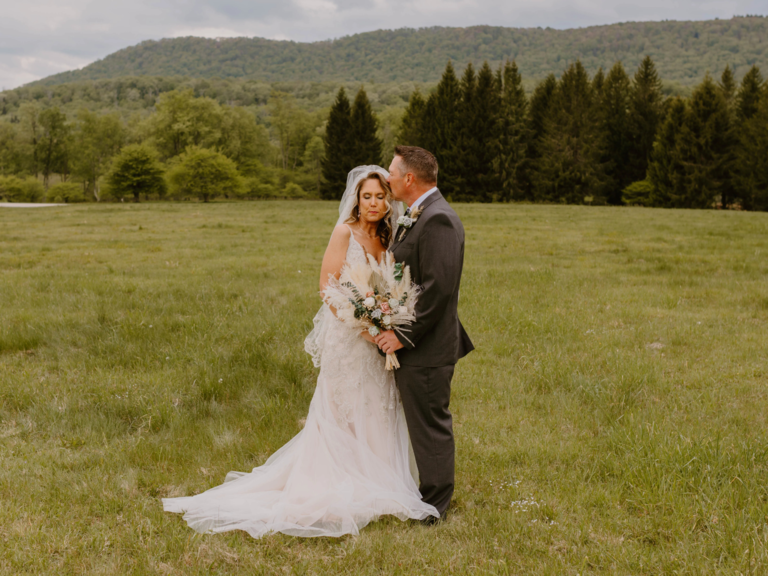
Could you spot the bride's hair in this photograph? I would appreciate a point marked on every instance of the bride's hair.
(384, 229)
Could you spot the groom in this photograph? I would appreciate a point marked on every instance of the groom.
(431, 243)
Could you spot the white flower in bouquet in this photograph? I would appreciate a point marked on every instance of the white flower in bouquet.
(376, 314)
(370, 302)
(373, 331)
(394, 304)
(387, 320)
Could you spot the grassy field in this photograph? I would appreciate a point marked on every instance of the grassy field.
(611, 421)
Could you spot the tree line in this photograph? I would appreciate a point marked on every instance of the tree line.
(608, 139)
(188, 147)
(605, 139)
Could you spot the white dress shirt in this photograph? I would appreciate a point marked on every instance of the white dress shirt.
(421, 198)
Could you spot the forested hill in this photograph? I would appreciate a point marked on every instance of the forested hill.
(683, 52)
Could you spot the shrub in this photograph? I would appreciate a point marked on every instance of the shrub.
(205, 174)
(15, 189)
(293, 190)
(638, 193)
(66, 192)
(258, 188)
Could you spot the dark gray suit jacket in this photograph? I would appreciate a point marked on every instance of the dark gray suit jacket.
(433, 248)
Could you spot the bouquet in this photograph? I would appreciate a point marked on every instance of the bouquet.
(375, 297)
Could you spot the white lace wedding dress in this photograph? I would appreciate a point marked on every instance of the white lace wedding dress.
(349, 465)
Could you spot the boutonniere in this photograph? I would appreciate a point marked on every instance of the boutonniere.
(405, 222)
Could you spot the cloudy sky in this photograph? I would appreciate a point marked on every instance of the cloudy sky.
(42, 37)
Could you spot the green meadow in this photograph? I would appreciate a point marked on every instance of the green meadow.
(611, 421)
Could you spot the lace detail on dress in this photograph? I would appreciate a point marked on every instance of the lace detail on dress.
(353, 367)
(355, 252)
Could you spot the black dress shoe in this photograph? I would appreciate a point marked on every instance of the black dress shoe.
(433, 520)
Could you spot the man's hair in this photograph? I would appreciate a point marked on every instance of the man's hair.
(421, 163)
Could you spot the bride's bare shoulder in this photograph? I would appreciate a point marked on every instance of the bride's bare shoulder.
(342, 231)
(341, 235)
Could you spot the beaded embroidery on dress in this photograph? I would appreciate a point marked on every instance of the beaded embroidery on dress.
(349, 465)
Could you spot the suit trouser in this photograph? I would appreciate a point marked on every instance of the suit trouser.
(426, 393)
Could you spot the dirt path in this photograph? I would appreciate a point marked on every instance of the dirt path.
(26, 205)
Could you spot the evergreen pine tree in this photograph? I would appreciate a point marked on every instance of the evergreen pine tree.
(412, 125)
(478, 179)
(440, 128)
(339, 155)
(466, 144)
(752, 177)
(752, 150)
(748, 98)
(538, 111)
(513, 133)
(727, 87)
(598, 81)
(645, 115)
(704, 147)
(486, 184)
(570, 168)
(665, 170)
(614, 115)
(431, 124)
(366, 146)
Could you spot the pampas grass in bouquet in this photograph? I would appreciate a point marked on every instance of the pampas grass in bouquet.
(375, 297)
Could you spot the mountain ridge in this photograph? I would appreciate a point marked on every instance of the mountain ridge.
(683, 51)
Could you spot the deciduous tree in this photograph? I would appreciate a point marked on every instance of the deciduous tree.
(135, 171)
(204, 174)
(96, 140)
(52, 146)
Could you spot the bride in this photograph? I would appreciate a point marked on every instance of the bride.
(352, 462)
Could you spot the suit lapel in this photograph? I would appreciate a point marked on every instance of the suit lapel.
(432, 198)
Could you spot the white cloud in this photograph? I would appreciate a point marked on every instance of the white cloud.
(42, 37)
(16, 70)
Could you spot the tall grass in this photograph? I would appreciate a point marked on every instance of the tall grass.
(611, 421)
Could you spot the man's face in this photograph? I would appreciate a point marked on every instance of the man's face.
(396, 178)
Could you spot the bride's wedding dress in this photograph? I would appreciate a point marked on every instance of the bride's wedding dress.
(349, 465)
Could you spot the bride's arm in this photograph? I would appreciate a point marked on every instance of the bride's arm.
(335, 254)
(333, 260)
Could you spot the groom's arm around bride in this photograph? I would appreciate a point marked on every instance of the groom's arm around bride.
(433, 248)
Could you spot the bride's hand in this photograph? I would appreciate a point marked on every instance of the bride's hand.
(366, 336)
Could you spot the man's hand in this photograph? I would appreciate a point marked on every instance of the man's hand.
(388, 342)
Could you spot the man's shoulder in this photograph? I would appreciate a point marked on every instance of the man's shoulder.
(441, 211)
(440, 219)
